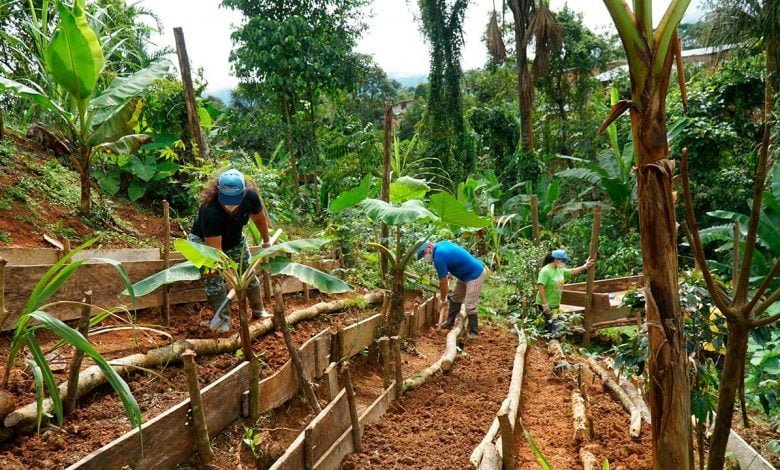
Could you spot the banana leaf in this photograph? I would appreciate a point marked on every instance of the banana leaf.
(406, 188)
(352, 197)
(409, 211)
(181, 272)
(452, 211)
(311, 276)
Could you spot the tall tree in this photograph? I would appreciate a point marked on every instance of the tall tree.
(294, 50)
(650, 55)
(754, 25)
(444, 125)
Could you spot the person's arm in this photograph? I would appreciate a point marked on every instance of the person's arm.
(444, 286)
(582, 268)
(214, 242)
(543, 297)
(262, 224)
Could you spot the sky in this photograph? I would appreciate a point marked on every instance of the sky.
(392, 35)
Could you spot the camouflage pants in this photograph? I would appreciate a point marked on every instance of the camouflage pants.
(215, 283)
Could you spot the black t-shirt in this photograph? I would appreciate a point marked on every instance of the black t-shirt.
(214, 221)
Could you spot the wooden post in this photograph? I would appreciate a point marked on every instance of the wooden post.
(387, 362)
(166, 252)
(246, 339)
(305, 286)
(388, 142)
(3, 313)
(353, 413)
(507, 437)
(66, 248)
(2, 126)
(196, 135)
(331, 373)
(69, 403)
(412, 327)
(735, 272)
(395, 344)
(196, 403)
(254, 389)
(535, 218)
(308, 448)
(594, 248)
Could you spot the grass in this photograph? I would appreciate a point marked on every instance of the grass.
(4, 237)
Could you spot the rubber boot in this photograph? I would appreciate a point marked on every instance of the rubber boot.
(221, 322)
(255, 297)
(452, 314)
(473, 331)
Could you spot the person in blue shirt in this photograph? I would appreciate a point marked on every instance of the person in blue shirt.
(449, 258)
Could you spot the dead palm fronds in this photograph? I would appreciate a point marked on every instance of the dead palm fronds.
(495, 42)
(547, 35)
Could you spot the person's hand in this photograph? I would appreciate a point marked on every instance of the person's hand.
(546, 308)
(589, 263)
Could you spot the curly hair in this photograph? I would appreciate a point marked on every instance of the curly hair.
(210, 192)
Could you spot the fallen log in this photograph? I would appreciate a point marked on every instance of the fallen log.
(583, 428)
(445, 361)
(515, 392)
(491, 460)
(23, 419)
(589, 461)
(636, 397)
(635, 426)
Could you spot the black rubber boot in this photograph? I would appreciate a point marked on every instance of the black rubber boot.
(221, 321)
(473, 330)
(452, 314)
(255, 297)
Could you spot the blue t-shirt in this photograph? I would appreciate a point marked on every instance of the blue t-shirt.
(450, 258)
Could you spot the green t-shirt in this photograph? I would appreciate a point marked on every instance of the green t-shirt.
(552, 279)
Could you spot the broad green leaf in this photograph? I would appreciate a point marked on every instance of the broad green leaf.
(126, 145)
(108, 180)
(143, 170)
(113, 124)
(74, 56)
(410, 211)
(451, 211)
(205, 118)
(123, 89)
(292, 247)
(181, 272)
(26, 92)
(136, 190)
(406, 188)
(122, 275)
(311, 276)
(197, 253)
(353, 196)
(74, 338)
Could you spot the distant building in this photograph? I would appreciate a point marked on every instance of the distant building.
(400, 107)
(702, 55)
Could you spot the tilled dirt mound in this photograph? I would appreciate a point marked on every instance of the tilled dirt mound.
(438, 425)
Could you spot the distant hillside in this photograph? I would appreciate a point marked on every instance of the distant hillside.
(223, 94)
(412, 80)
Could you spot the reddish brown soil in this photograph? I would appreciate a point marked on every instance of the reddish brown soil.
(437, 425)
(100, 417)
(758, 435)
(546, 414)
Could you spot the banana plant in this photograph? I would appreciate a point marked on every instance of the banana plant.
(651, 53)
(34, 318)
(406, 207)
(87, 120)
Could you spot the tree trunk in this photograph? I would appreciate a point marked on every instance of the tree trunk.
(388, 141)
(521, 13)
(290, 144)
(729, 383)
(86, 187)
(396, 303)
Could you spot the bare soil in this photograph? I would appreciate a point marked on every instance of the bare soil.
(438, 424)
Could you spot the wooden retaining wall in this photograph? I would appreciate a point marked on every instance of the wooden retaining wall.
(168, 439)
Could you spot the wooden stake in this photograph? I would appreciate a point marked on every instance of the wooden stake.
(507, 436)
(353, 413)
(166, 252)
(388, 129)
(254, 389)
(246, 339)
(331, 373)
(387, 362)
(66, 248)
(305, 286)
(69, 403)
(594, 247)
(193, 119)
(535, 218)
(308, 448)
(198, 416)
(735, 272)
(395, 344)
(3, 313)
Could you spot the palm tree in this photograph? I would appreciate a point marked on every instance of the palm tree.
(533, 21)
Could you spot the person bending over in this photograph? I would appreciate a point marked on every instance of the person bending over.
(549, 283)
(227, 204)
(449, 258)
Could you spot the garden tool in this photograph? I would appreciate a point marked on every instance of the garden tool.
(256, 303)
(452, 314)
(473, 331)
(221, 322)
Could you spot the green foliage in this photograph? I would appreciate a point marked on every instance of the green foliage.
(762, 379)
(540, 457)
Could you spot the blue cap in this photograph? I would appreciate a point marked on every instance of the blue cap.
(560, 254)
(231, 187)
(421, 250)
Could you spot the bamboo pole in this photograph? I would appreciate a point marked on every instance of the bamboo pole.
(69, 402)
(507, 436)
(196, 403)
(387, 364)
(166, 252)
(388, 129)
(395, 344)
(193, 119)
(353, 413)
(535, 218)
(594, 248)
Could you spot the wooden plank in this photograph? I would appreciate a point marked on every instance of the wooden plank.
(613, 314)
(379, 407)
(28, 256)
(608, 285)
(331, 423)
(278, 388)
(222, 404)
(292, 459)
(578, 299)
(422, 317)
(357, 337)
